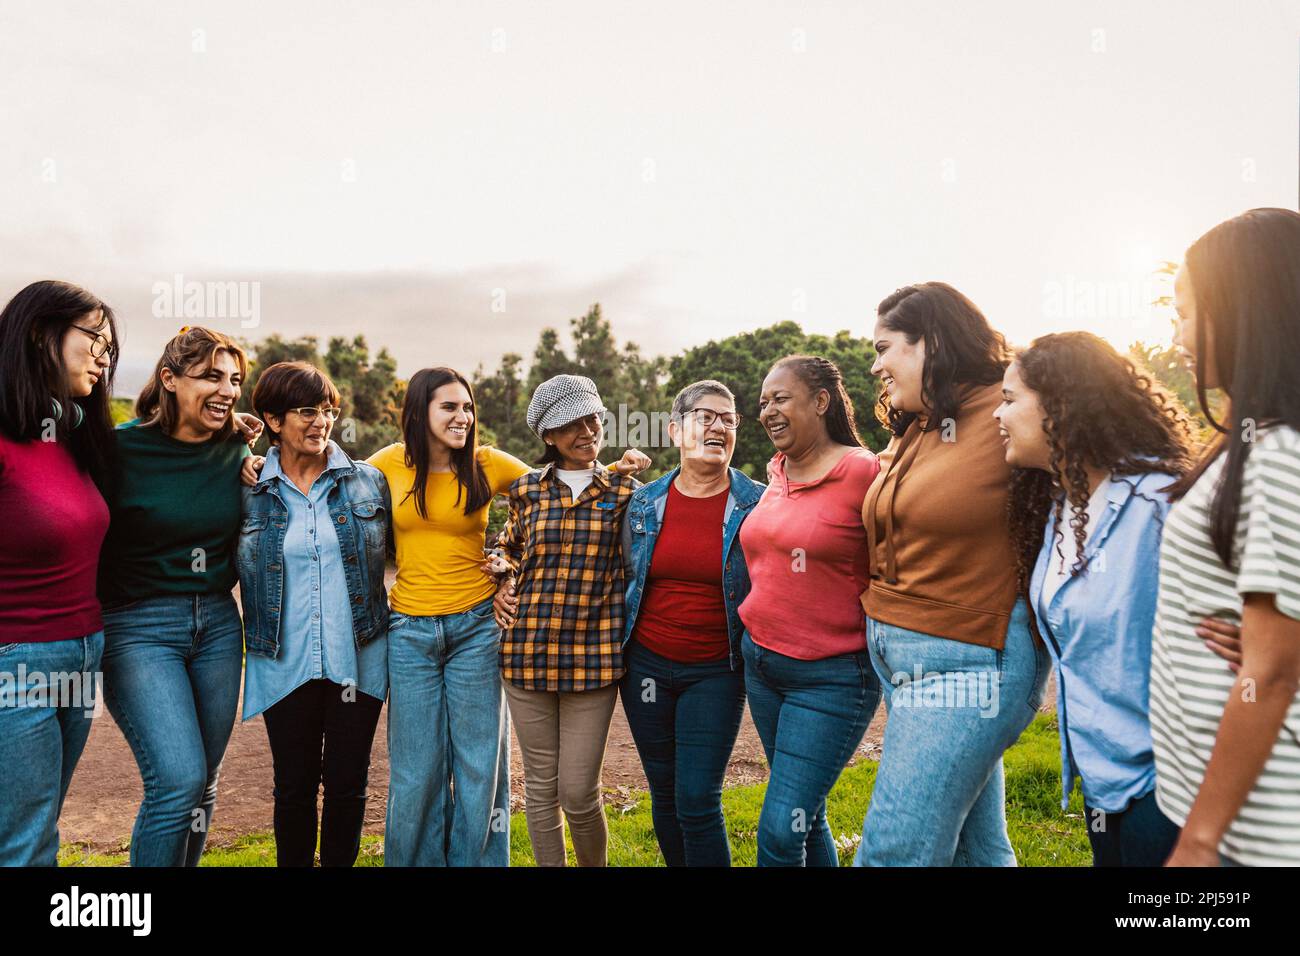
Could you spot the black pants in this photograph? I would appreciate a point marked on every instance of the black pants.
(322, 732)
(1139, 836)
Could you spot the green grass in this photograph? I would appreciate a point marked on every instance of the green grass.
(1040, 833)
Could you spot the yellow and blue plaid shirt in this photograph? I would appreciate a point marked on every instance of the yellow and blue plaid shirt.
(567, 559)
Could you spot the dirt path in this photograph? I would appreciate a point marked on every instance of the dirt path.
(106, 790)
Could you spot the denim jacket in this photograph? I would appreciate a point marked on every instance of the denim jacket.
(360, 506)
(1098, 631)
(641, 524)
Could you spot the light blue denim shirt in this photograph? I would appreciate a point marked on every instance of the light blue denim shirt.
(1098, 631)
(316, 633)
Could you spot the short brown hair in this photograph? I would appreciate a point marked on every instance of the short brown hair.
(193, 345)
(287, 385)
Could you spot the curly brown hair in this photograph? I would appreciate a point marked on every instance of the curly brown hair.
(1101, 410)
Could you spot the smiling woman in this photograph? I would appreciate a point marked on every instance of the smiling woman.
(56, 369)
(173, 637)
(311, 575)
(810, 686)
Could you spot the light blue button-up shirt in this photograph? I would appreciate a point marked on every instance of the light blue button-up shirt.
(1098, 631)
(316, 639)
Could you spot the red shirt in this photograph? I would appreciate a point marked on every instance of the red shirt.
(807, 555)
(54, 523)
(682, 615)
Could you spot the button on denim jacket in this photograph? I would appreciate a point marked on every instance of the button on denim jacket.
(641, 525)
(360, 507)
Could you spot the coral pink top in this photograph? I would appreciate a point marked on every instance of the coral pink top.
(808, 561)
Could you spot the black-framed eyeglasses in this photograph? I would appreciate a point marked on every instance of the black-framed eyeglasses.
(100, 345)
(705, 417)
(308, 413)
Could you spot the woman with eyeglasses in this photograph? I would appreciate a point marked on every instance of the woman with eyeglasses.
(173, 638)
(57, 359)
(684, 690)
(311, 573)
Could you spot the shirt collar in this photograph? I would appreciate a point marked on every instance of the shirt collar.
(601, 472)
(335, 459)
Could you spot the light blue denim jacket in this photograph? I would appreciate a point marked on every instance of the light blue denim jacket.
(360, 510)
(1098, 631)
(316, 638)
(641, 525)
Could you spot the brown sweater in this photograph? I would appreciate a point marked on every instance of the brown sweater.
(942, 561)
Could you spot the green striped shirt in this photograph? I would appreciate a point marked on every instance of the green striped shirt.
(1189, 683)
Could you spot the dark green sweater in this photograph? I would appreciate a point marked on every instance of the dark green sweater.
(175, 516)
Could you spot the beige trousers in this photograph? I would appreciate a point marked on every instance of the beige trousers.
(562, 741)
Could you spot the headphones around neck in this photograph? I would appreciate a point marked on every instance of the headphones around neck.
(78, 413)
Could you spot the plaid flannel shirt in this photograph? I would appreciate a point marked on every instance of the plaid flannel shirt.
(567, 559)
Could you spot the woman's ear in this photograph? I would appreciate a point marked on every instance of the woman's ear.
(273, 422)
(168, 379)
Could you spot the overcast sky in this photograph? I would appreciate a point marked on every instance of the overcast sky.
(449, 178)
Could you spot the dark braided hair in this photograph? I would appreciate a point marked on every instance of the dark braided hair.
(1100, 411)
(818, 373)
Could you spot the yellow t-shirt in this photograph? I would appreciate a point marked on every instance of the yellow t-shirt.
(439, 558)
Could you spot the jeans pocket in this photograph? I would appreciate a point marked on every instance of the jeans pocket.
(1038, 689)
(396, 619)
(482, 611)
(6, 648)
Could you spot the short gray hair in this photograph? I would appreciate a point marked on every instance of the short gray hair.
(692, 393)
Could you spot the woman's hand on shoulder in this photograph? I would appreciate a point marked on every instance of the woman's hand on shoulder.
(249, 427)
(633, 461)
(250, 469)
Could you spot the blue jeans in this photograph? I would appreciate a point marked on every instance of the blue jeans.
(1139, 835)
(171, 681)
(447, 724)
(954, 708)
(810, 716)
(47, 700)
(684, 719)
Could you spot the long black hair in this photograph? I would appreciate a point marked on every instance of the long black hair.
(1245, 276)
(470, 478)
(32, 379)
(818, 373)
(961, 348)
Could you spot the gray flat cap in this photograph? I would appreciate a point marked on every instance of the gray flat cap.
(563, 399)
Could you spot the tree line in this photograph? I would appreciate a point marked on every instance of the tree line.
(635, 387)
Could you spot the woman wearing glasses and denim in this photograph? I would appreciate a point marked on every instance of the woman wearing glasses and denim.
(684, 690)
(311, 572)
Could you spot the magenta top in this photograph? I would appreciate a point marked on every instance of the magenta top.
(53, 521)
(807, 555)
